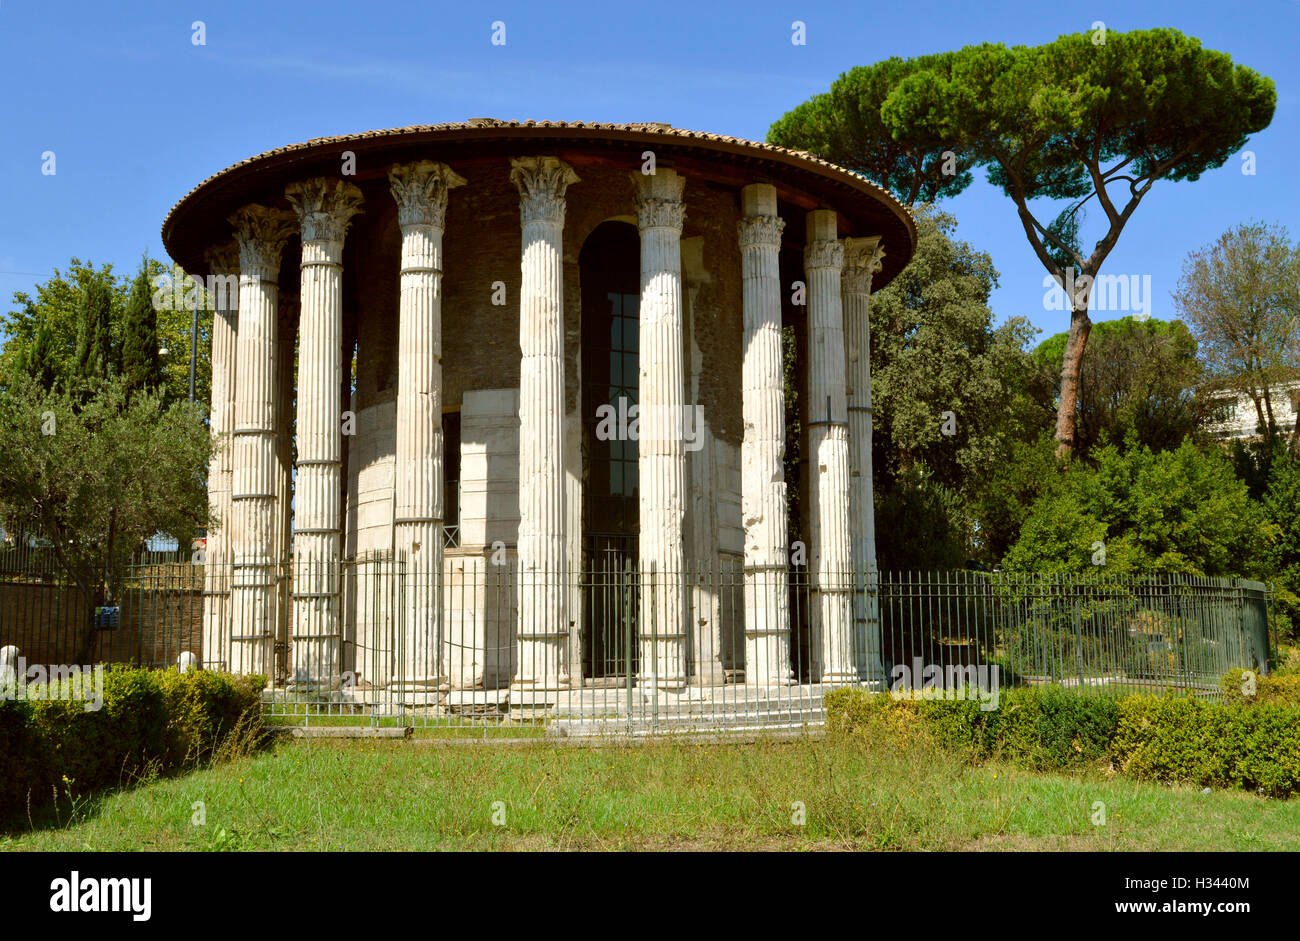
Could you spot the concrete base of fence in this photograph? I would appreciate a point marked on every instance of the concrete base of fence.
(338, 731)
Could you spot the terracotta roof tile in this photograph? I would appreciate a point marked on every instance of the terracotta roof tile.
(487, 124)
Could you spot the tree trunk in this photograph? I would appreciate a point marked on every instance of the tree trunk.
(1071, 363)
(1259, 409)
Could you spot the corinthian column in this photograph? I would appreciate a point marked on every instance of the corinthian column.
(325, 207)
(661, 463)
(223, 262)
(420, 190)
(862, 258)
(762, 483)
(543, 628)
(828, 446)
(261, 234)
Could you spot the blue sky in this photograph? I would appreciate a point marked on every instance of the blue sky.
(136, 114)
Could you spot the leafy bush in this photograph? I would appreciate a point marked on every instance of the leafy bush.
(1268, 689)
(16, 748)
(1255, 746)
(1175, 739)
(1180, 511)
(149, 722)
(203, 709)
(1040, 727)
(107, 746)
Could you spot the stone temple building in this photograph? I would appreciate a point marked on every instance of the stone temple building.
(540, 406)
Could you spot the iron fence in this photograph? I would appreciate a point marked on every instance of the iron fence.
(477, 646)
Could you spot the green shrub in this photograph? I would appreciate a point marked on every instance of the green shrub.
(1039, 727)
(112, 745)
(1268, 689)
(21, 770)
(1181, 740)
(1073, 728)
(1254, 745)
(150, 722)
(203, 709)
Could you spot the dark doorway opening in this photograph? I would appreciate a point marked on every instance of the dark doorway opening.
(611, 296)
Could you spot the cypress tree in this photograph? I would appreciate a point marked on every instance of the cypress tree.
(94, 339)
(39, 362)
(141, 365)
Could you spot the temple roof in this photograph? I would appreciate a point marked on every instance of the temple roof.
(801, 178)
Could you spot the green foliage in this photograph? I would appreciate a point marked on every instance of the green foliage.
(1283, 690)
(1174, 739)
(150, 722)
(104, 747)
(935, 349)
(203, 710)
(141, 365)
(99, 475)
(1008, 493)
(1139, 380)
(39, 360)
(845, 126)
(57, 307)
(1038, 115)
(1062, 238)
(1068, 120)
(1280, 501)
(1179, 511)
(1171, 739)
(96, 359)
(1241, 297)
(1042, 728)
(17, 745)
(928, 522)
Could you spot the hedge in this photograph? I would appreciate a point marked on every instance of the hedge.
(150, 722)
(1253, 745)
(1268, 689)
(1250, 746)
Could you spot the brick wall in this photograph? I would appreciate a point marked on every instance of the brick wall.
(48, 624)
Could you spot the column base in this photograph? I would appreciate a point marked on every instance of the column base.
(712, 674)
(669, 684)
(841, 679)
(433, 684)
(540, 686)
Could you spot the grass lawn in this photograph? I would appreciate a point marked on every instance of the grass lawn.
(392, 795)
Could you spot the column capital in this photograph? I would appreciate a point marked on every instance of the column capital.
(823, 253)
(223, 258)
(421, 190)
(325, 207)
(863, 257)
(261, 233)
(542, 182)
(659, 202)
(760, 232)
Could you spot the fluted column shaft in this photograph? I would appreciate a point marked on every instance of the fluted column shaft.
(862, 258)
(543, 627)
(762, 450)
(421, 190)
(661, 463)
(261, 233)
(223, 262)
(325, 207)
(828, 447)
